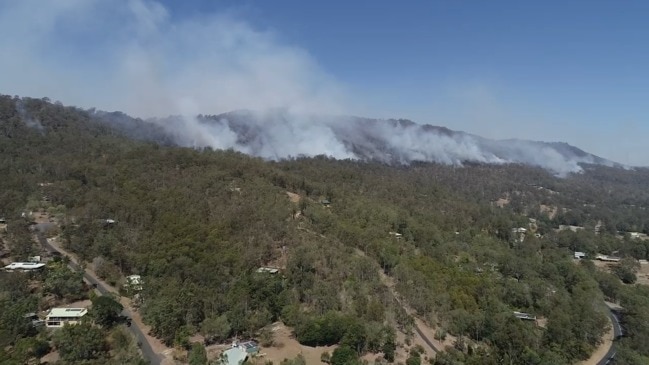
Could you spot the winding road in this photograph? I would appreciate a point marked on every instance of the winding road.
(609, 358)
(147, 351)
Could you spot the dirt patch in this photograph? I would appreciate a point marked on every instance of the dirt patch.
(643, 274)
(551, 211)
(502, 202)
(79, 304)
(603, 265)
(286, 347)
(41, 217)
(294, 198)
(50, 358)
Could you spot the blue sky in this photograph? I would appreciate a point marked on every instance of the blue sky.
(564, 71)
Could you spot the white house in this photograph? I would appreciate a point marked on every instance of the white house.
(607, 258)
(524, 316)
(23, 266)
(57, 317)
(396, 234)
(269, 270)
(579, 255)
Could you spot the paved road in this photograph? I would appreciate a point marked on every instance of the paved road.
(426, 339)
(396, 297)
(147, 351)
(609, 358)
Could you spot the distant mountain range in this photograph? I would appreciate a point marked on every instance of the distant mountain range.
(280, 134)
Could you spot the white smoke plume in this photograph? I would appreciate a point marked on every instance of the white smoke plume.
(29, 120)
(137, 57)
(134, 56)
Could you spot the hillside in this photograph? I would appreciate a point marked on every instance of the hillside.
(196, 224)
(280, 134)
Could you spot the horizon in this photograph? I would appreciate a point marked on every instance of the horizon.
(555, 72)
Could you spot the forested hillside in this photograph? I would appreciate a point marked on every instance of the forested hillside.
(197, 224)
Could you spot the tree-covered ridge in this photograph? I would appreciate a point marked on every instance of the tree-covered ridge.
(196, 224)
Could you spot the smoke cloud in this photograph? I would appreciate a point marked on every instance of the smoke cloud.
(134, 56)
(137, 57)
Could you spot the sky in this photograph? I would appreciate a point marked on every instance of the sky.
(576, 72)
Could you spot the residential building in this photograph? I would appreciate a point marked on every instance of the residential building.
(23, 266)
(234, 356)
(579, 255)
(524, 316)
(269, 270)
(57, 317)
(397, 235)
(239, 352)
(607, 258)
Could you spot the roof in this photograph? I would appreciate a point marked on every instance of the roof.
(526, 316)
(250, 346)
(134, 279)
(24, 266)
(235, 356)
(270, 270)
(67, 312)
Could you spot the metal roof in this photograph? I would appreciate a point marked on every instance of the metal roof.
(67, 312)
(23, 266)
(235, 356)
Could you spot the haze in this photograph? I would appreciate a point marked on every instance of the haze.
(552, 71)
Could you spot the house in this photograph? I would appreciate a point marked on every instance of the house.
(607, 258)
(524, 316)
(269, 270)
(579, 255)
(236, 355)
(564, 227)
(325, 202)
(397, 235)
(34, 259)
(519, 230)
(57, 317)
(24, 266)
